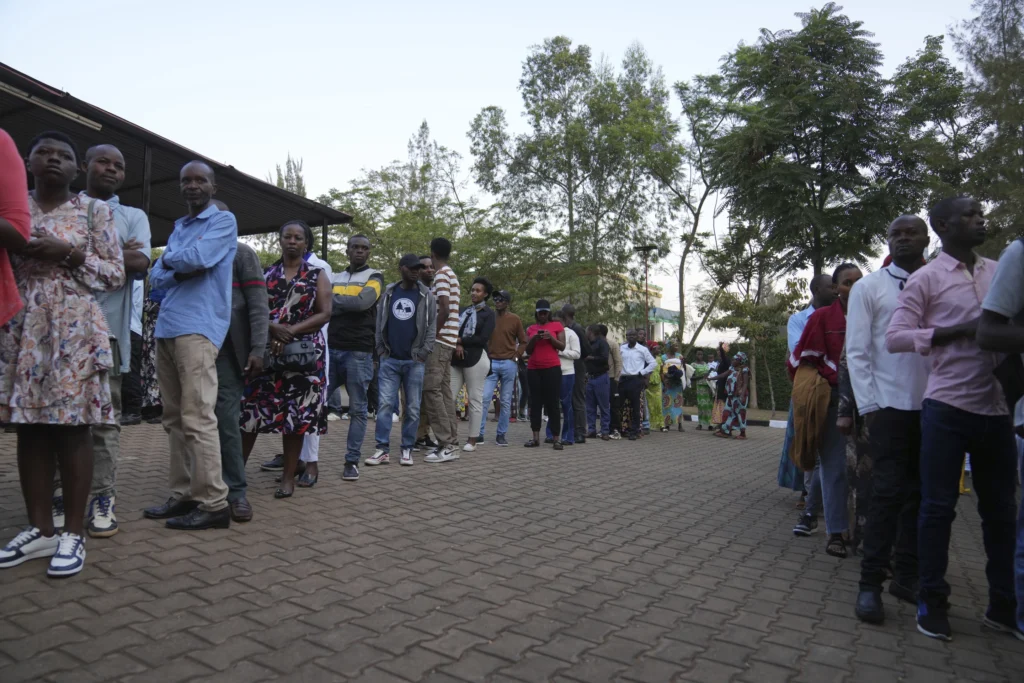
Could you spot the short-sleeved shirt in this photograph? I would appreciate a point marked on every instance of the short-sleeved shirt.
(446, 284)
(402, 322)
(544, 354)
(1006, 296)
(132, 224)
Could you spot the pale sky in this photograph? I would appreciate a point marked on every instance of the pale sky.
(344, 85)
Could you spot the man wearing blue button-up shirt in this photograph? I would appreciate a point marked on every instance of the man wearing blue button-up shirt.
(196, 270)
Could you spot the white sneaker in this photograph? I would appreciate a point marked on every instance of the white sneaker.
(70, 556)
(406, 458)
(469, 447)
(333, 417)
(30, 544)
(379, 457)
(446, 454)
(394, 418)
(344, 416)
(102, 522)
(57, 509)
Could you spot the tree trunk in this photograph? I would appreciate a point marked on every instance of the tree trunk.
(704, 320)
(682, 295)
(771, 389)
(752, 403)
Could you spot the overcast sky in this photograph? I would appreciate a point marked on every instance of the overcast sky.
(344, 85)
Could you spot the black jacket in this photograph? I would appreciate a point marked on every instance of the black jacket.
(475, 345)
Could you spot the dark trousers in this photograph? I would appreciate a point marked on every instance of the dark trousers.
(947, 433)
(579, 403)
(545, 388)
(597, 399)
(229, 406)
(631, 387)
(615, 404)
(131, 384)
(894, 438)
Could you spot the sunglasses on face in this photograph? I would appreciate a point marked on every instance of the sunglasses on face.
(499, 299)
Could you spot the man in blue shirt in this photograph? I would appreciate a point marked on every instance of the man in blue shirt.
(406, 329)
(196, 271)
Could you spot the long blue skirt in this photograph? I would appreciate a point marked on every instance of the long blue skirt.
(790, 476)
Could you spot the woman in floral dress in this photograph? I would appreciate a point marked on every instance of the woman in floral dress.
(291, 404)
(151, 402)
(55, 353)
(737, 390)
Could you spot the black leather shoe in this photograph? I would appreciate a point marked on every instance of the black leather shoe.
(129, 420)
(869, 607)
(904, 590)
(174, 507)
(241, 511)
(201, 519)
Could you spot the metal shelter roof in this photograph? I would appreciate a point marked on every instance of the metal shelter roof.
(29, 107)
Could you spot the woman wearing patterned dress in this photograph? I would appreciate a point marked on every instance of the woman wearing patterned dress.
(737, 395)
(705, 394)
(291, 404)
(673, 382)
(55, 353)
(151, 403)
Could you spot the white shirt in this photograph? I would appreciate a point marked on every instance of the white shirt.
(881, 379)
(137, 300)
(315, 260)
(571, 352)
(637, 360)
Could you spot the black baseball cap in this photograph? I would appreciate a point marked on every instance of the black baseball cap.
(543, 305)
(502, 294)
(410, 261)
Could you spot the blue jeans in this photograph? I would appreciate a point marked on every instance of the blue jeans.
(946, 434)
(505, 371)
(565, 398)
(828, 482)
(408, 374)
(354, 369)
(598, 396)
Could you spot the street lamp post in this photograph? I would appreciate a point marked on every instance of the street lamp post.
(646, 250)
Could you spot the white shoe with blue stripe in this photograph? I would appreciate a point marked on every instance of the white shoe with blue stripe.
(70, 556)
(30, 544)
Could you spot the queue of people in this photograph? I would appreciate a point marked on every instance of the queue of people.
(897, 376)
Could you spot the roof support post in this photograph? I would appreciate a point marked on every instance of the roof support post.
(147, 177)
(323, 240)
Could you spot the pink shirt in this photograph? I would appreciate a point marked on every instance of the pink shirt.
(942, 294)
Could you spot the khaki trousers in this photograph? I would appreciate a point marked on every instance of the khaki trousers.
(106, 439)
(437, 394)
(186, 368)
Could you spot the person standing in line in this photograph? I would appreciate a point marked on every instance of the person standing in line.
(288, 397)
(737, 392)
(438, 400)
(674, 382)
(350, 340)
(152, 405)
(132, 382)
(195, 269)
(579, 400)
(567, 358)
(506, 344)
(15, 222)
(55, 346)
(722, 370)
(705, 395)
(1000, 330)
(964, 411)
(789, 475)
(598, 392)
(814, 369)
(614, 397)
(239, 357)
(406, 328)
(652, 393)
(423, 440)
(888, 390)
(544, 373)
(104, 175)
(637, 365)
(471, 365)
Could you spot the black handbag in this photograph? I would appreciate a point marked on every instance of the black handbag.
(296, 356)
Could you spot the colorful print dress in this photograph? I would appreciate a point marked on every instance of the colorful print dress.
(55, 353)
(289, 402)
(150, 383)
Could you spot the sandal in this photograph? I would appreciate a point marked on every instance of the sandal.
(531, 444)
(306, 481)
(722, 435)
(836, 546)
(559, 446)
(280, 493)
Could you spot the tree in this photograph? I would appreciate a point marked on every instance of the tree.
(685, 169)
(292, 179)
(581, 171)
(992, 46)
(808, 141)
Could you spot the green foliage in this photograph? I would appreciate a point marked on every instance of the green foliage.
(992, 45)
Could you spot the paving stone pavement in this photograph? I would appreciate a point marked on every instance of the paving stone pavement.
(666, 559)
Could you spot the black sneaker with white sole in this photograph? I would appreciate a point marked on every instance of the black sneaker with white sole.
(933, 621)
(1002, 618)
(424, 444)
(351, 472)
(806, 525)
(500, 440)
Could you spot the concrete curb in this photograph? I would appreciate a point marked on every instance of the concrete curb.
(774, 424)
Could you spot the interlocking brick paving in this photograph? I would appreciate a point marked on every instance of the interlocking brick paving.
(666, 559)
